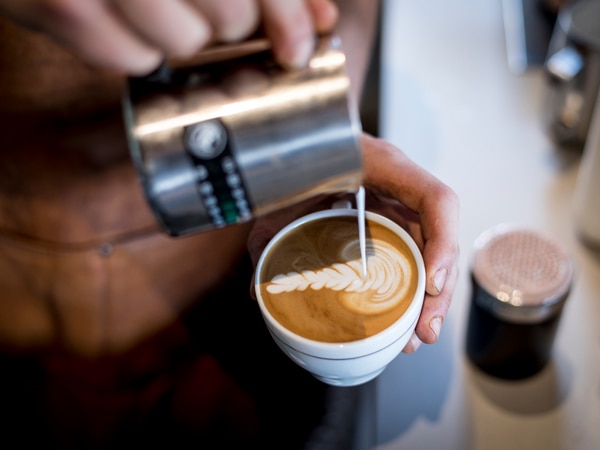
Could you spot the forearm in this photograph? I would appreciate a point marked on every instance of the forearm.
(357, 27)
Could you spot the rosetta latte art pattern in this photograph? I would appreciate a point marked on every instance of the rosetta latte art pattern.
(386, 282)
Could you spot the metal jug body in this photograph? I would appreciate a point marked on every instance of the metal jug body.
(234, 136)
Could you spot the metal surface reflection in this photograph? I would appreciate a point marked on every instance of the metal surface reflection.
(234, 135)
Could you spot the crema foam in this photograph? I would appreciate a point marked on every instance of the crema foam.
(312, 282)
(387, 272)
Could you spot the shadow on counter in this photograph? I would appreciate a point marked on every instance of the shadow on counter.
(428, 377)
(538, 394)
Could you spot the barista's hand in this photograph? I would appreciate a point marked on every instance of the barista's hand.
(428, 209)
(134, 36)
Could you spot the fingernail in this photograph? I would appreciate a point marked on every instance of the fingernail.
(439, 280)
(436, 326)
(413, 344)
(302, 54)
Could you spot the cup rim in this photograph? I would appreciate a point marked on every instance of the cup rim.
(351, 349)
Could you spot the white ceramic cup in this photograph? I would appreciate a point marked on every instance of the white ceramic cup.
(346, 363)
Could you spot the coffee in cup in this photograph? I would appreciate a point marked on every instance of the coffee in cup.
(316, 301)
(312, 281)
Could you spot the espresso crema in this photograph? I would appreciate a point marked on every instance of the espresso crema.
(312, 281)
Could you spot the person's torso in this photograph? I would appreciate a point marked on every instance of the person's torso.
(82, 261)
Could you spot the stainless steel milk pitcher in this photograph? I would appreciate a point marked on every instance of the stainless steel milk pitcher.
(232, 135)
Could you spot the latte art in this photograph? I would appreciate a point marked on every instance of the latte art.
(312, 281)
(386, 281)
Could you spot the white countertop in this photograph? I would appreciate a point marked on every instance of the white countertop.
(450, 101)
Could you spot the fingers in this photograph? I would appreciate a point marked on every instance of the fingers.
(292, 25)
(92, 31)
(390, 172)
(325, 14)
(439, 220)
(181, 28)
(433, 314)
(290, 28)
(134, 36)
(412, 345)
(229, 20)
(152, 22)
(435, 309)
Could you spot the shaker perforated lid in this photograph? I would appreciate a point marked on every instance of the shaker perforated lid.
(525, 273)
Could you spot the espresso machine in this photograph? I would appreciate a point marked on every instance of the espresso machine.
(573, 69)
(230, 135)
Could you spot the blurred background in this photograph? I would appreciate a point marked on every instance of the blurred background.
(466, 90)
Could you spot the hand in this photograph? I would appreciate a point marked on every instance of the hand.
(402, 191)
(134, 36)
(428, 210)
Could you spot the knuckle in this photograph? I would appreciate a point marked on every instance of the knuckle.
(445, 199)
(447, 195)
(62, 10)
